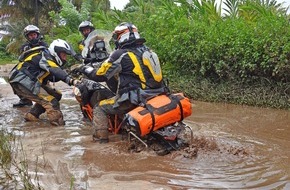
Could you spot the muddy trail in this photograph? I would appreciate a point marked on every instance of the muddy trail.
(234, 147)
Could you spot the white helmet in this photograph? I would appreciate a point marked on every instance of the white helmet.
(31, 28)
(58, 46)
(125, 32)
(86, 24)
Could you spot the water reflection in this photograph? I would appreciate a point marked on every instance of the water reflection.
(75, 151)
(2, 81)
(264, 133)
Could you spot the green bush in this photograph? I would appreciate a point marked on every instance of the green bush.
(226, 49)
(5, 56)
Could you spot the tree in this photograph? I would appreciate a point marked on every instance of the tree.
(30, 10)
(16, 14)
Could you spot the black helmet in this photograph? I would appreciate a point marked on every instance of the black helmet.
(58, 46)
(86, 24)
(31, 28)
(125, 33)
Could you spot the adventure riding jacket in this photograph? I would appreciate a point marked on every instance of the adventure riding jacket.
(36, 69)
(136, 68)
(138, 72)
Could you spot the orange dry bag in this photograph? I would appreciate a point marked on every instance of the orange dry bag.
(159, 112)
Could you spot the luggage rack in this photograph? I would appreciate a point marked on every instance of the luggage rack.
(180, 124)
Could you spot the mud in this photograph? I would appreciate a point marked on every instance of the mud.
(233, 147)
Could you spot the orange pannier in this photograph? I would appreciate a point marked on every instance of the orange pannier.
(159, 112)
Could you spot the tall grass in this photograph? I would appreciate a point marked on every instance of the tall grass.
(13, 164)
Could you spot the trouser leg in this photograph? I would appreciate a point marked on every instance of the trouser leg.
(100, 120)
(51, 105)
(44, 101)
(100, 95)
(23, 101)
(52, 91)
(100, 126)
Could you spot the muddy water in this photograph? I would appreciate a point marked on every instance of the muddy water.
(235, 147)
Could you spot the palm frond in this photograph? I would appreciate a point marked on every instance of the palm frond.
(232, 8)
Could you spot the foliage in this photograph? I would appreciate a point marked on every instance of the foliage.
(13, 164)
(68, 16)
(67, 20)
(228, 49)
(30, 10)
(260, 92)
(5, 149)
(14, 19)
(201, 42)
(5, 56)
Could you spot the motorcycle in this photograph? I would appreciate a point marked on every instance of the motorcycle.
(97, 46)
(156, 124)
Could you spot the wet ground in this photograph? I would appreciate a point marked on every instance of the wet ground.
(234, 147)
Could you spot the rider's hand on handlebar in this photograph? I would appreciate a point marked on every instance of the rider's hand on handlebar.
(76, 81)
(72, 81)
(88, 60)
(86, 69)
(92, 60)
(78, 57)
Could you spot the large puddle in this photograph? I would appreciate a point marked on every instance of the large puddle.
(243, 148)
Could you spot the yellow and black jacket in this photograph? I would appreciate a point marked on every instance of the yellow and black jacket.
(137, 69)
(37, 67)
(26, 46)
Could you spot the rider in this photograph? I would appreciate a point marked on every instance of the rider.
(139, 75)
(34, 39)
(31, 77)
(85, 28)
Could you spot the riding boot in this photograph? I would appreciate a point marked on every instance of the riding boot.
(37, 110)
(100, 128)
(30, 117)
(53, 113)
(55, 117)
(22, 103)
(34, 112)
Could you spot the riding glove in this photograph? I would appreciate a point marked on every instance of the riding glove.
(87, 70)
(78, 57)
